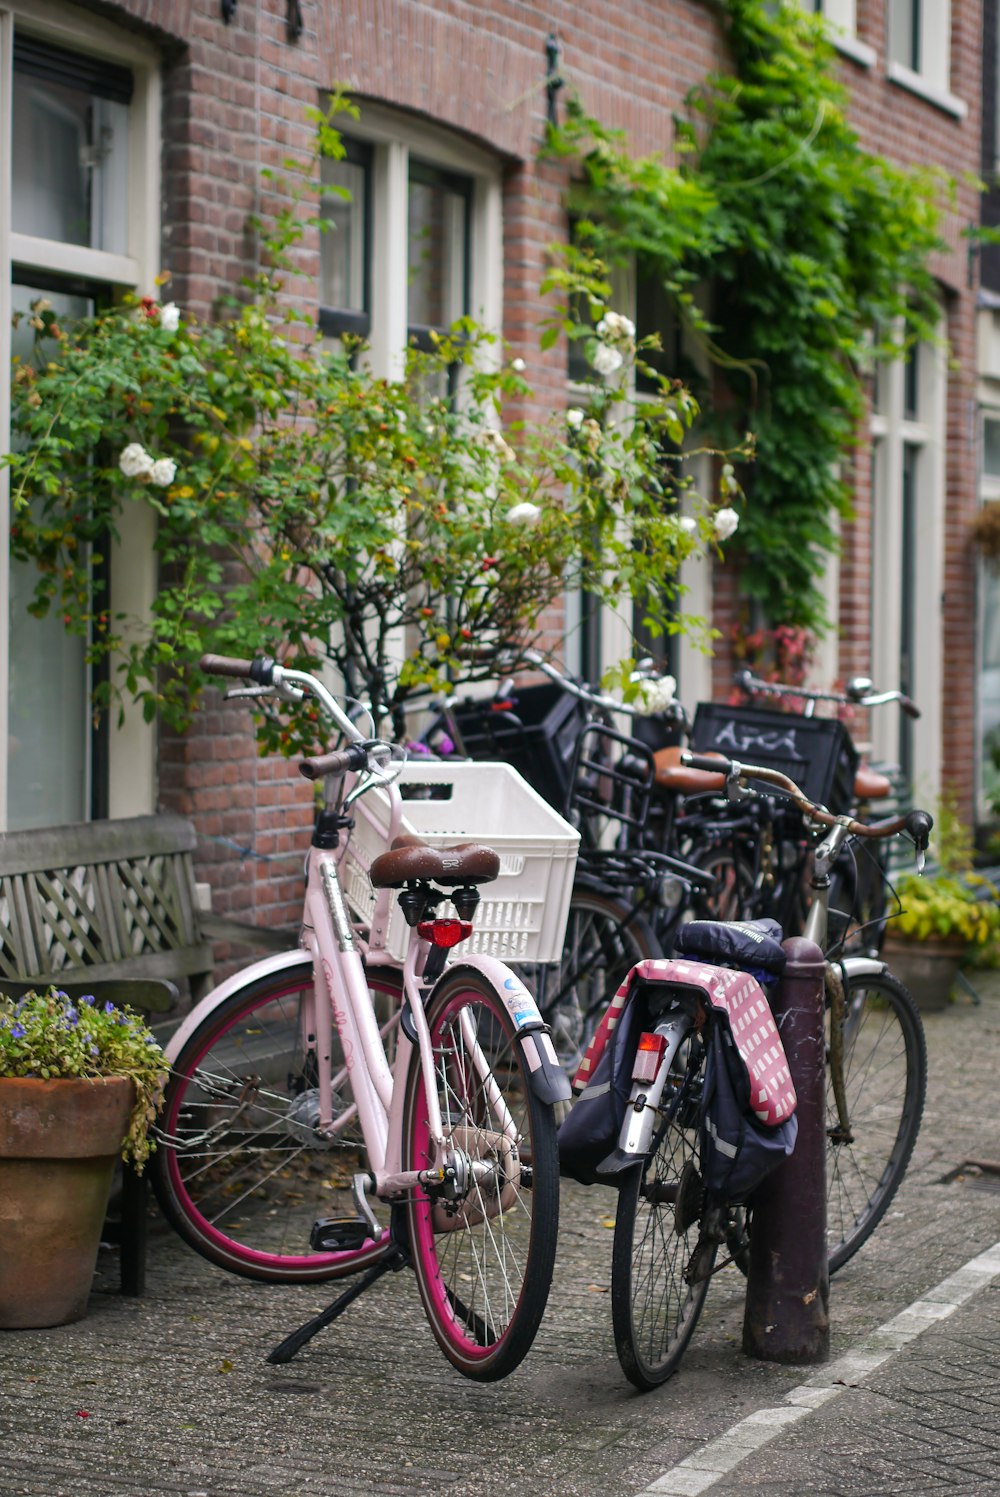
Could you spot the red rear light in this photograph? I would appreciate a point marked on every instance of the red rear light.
(647, 1056)
(444, 932)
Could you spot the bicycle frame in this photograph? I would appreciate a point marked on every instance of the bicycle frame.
(341, 1001)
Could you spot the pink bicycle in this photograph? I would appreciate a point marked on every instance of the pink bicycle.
(335, 1110)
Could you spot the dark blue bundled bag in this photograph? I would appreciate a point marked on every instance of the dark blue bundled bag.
(737, 1150)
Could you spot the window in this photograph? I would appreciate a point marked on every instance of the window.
(417, 244)
(989, 624)
(919, 50)
(842, 18)
(907, 428)
(345, 248)
(79, 154)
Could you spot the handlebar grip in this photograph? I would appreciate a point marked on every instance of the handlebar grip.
(910, 708)
(225, 665)
(918, 825)
(337, 762)
(714, 763)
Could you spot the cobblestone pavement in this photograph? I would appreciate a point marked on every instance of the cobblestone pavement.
(170, 1394)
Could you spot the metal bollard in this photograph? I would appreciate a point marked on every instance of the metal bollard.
(788, 1283)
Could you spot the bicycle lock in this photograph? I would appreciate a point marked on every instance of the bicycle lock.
(788, 1283)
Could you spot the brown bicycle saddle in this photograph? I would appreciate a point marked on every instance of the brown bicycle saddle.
(671, 774)
(411, 861)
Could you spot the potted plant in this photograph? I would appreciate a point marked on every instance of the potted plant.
(80, 1083)
(946, 918)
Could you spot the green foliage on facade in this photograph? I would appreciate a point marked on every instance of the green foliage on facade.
(786, 246)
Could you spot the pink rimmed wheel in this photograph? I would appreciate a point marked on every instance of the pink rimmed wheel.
(483, 1243)
(239, 1168)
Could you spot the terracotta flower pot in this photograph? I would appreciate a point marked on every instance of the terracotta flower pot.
(927, 968)
(58, 1144)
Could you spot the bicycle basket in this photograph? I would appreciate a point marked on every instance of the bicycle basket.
(815, 752)
(535, 731)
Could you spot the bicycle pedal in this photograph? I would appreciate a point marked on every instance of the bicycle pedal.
(339, 1234)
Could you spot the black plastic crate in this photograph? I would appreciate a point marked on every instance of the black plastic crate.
(815, 752)
(535, 729)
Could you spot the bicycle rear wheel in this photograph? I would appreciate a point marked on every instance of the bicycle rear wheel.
(654, 1308)
(483, 1244)
(885, 1080)
(239, 1169)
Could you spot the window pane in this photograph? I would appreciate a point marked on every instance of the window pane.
(904, 33)
(991, 448)
(344, 246)
(436, 250)
(49, 729)
(911, 383)
(70, 165)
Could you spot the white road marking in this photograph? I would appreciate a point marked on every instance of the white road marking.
(703, 1468)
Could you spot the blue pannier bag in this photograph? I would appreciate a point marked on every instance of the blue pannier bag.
(737, 1150)
(591, 1129)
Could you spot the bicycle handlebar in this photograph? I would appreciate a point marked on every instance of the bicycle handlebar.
(225, 665)
(917, 824)
(338, 762)
(864, 695)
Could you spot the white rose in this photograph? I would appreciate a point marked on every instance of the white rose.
(162, 472)
(606, 360)
(725, 523)
(656, 696)
(135, 461)
(688, 523)
(523, 514)
(614, 325)
(574, 417)
(170, 316)
(518, 366)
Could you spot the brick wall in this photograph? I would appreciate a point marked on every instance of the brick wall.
(233, 103)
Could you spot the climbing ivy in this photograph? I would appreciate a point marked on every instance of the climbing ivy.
(803, 244)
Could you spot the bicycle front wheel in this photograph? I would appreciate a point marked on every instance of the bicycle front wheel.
(885, 1080)
(240, 1170)
(482, 1243)
(654, 1307)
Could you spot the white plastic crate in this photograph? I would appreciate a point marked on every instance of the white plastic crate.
(521, 916)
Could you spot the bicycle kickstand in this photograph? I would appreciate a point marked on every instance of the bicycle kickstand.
(396, 1258)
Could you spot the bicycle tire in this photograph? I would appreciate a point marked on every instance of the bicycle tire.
(885, 1079)
(483, 1259)
(654, 1310)
(238, 1170)
(604, 939)
(734, 896)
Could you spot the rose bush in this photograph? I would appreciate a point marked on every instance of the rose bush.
(307, 507)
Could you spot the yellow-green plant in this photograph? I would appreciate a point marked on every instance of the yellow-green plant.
(950, 908)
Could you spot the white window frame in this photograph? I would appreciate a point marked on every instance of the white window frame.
(931, 80)
(894, 431)
(988, 488)
(694, 665)
(842, 21)
(394, 140)
(132, 748)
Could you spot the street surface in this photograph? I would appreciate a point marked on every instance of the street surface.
(170, 1394)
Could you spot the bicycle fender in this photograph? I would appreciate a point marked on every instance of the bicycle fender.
(263, 968)
(548, 1080)
(636, 1136)
(862, 966)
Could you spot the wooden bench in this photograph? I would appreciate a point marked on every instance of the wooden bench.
(111, 907)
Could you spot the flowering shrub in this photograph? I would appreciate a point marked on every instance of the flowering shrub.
(306, 506)
(47, 1036)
